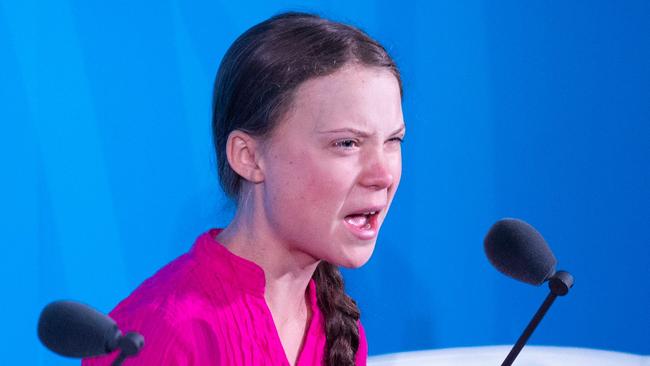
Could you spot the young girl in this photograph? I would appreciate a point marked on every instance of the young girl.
(307, 126)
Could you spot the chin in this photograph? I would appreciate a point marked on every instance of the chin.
(357, 257)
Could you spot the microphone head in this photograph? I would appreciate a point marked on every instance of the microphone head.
(517, 250)
(76, 330)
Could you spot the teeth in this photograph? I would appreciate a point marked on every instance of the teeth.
(367, 213)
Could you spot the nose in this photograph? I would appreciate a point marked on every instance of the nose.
(376, 173)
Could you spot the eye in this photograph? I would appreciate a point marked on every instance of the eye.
(346, 144)
(397, 139)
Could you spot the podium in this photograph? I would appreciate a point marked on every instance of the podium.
(494, 355)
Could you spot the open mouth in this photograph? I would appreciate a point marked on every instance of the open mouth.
(364, 225)
(363, 221)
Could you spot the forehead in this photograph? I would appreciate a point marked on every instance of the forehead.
(354, 96)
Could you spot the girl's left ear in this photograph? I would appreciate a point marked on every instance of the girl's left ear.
(243, 152)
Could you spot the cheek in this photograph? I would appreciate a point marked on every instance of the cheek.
(305, 182)
(303, 198)
(394, 166)
(323, 183)
(397, 171)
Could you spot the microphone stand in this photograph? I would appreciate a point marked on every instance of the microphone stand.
(559, 284)
(130, 344)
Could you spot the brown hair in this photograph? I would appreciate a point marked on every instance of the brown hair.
(253, 90)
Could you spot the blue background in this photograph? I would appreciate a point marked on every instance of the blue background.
(531, 109)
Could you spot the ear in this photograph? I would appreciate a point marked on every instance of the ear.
(244, 152)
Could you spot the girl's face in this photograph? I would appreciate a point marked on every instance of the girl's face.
(333, 164)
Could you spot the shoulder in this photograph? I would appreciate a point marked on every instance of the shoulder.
(168, 309)
(163, 292)
(183, 292)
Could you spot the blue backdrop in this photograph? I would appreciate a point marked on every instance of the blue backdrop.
(531, 109)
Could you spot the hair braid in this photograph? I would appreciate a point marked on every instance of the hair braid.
(341, 316)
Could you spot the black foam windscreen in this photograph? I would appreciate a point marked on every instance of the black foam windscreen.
(517, 250)
(76, 330)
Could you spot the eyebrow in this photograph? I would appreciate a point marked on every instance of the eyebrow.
(359, 132)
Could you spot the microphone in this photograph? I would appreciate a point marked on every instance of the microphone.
(519, 251)
(76, 330)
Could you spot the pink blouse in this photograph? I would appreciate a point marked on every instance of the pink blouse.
(207, 307)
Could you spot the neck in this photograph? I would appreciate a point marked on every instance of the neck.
(287, 273)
